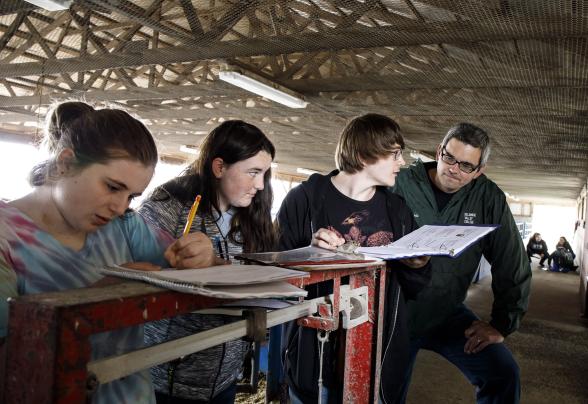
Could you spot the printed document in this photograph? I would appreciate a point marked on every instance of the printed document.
(430, 240)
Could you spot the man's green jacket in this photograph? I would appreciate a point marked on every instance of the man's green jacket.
(478, 203)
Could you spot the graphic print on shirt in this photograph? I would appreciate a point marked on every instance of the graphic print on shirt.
(365, 223)
(355, 234)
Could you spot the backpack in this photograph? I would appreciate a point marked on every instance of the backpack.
(565, 259)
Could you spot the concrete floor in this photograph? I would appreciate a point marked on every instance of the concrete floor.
(551, 348)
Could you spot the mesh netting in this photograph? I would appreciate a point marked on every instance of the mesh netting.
(515, 68)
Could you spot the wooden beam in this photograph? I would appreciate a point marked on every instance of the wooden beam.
(308, 42)
(37, 37)
(15, 6)
(137, 14)
(227, 21)
(20, 17)
(192, 17)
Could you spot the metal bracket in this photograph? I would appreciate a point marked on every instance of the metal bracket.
(328, 312)
(351, 303)
(354, 306)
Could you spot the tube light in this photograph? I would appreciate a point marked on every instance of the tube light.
(270, 90)
(51, 5)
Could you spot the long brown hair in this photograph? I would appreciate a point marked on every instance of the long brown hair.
(233, 141)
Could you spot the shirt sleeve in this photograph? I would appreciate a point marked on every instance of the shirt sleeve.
(8, 288)
(294, 220)
(511, 271)
(162, 214)
(147, 243)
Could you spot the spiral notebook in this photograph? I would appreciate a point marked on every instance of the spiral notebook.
(223, 281)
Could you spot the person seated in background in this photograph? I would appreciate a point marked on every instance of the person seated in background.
(232, 175)
(538, 246)
(353, 204)
(563, 257)
(76, 219)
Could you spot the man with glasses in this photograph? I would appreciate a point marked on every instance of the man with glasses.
(454, 190)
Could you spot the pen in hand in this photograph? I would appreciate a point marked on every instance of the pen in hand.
(191, 215)
(191, 250)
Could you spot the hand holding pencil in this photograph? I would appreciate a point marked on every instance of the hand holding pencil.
(192, 250)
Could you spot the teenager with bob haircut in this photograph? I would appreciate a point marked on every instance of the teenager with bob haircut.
(232, 175)
(76, 219)
(352, 204)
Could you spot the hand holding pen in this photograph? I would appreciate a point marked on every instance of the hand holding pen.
(192, 250)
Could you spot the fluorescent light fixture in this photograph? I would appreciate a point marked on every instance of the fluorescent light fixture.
(189, 148)
(263, 87)
(305, 171)
(51, 5)
(418, 155)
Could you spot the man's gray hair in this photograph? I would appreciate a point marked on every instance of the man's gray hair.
(471, 135)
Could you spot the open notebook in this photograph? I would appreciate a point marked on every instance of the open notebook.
(223, 281)
(450, 240)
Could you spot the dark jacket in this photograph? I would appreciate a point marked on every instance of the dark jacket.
(480, 202)
(302, 213)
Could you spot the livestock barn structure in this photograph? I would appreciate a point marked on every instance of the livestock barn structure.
(518, 69)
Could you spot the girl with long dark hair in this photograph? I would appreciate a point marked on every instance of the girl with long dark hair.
(232, 175)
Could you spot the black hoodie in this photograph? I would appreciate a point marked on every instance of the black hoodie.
(303, 211)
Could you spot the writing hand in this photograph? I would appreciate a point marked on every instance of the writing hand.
(328, 239)
(481, 334)
(194, 250)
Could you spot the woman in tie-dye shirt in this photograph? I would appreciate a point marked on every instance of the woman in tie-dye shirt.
(76, 220)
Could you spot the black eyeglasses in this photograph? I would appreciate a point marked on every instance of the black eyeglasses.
(396, 154)
(464, 166)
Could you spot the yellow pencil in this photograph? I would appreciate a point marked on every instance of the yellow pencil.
(191, 215)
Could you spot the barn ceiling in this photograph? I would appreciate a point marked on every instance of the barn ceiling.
(516, 68)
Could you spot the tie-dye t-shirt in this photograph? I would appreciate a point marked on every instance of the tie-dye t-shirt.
(32, 261)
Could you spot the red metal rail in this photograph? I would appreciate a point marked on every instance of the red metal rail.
(48, 343)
